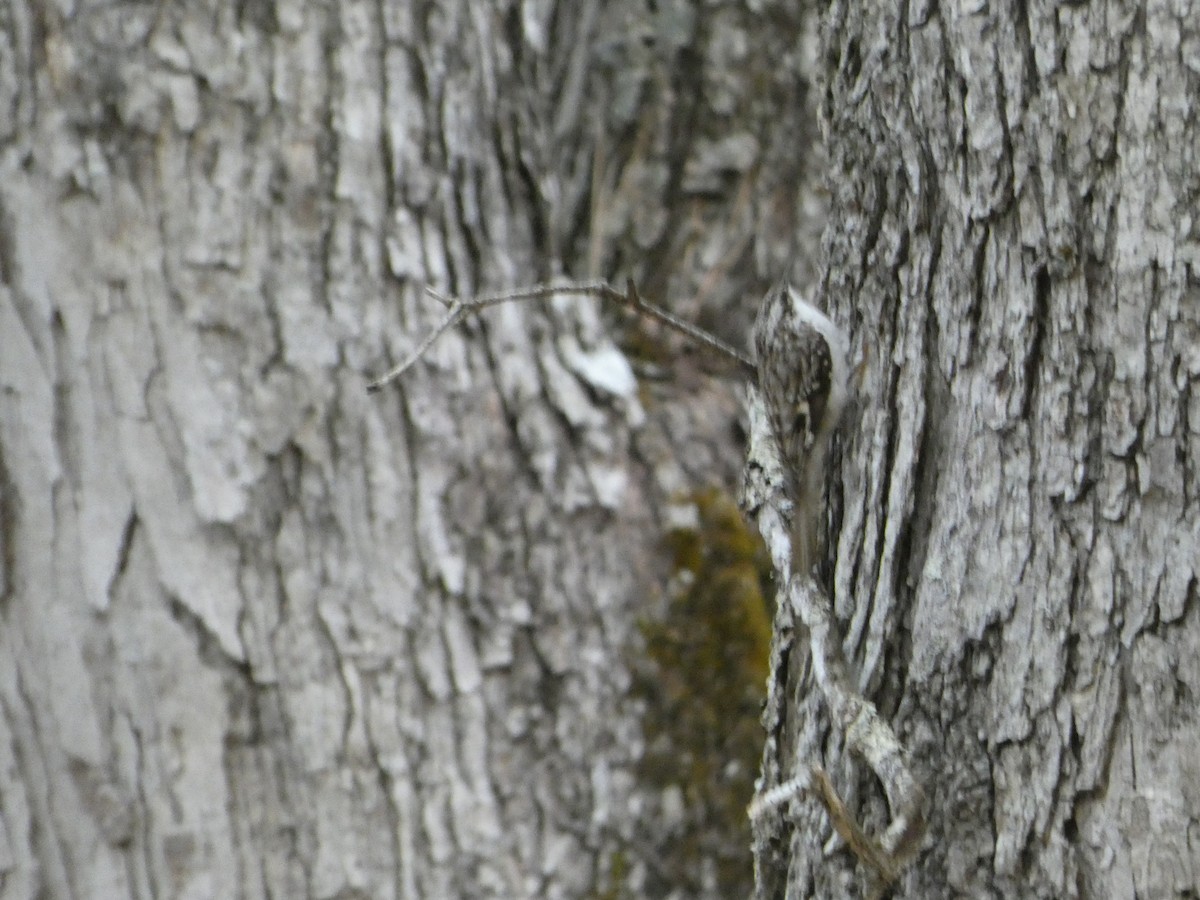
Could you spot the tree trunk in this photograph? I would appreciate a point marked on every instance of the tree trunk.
(262, 634)
(1013, 240)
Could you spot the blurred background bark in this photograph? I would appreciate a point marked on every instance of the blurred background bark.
(262, 634)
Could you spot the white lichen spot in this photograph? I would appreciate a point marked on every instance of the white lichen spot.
(605, 369)
(609, 484)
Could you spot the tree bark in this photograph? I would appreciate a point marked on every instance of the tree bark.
(1012, 239)
(262, 634)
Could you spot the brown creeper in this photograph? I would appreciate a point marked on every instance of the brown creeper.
(803, 375)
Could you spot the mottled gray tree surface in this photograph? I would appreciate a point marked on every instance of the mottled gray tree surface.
(262, 634)
(1013, 237)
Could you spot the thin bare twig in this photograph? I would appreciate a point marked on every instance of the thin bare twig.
(457, 310)
(454, 314)
(696, 333)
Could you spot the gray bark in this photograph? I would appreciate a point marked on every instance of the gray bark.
(264, 635)
(1013, 239)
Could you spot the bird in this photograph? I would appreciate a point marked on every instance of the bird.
(803, 372)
